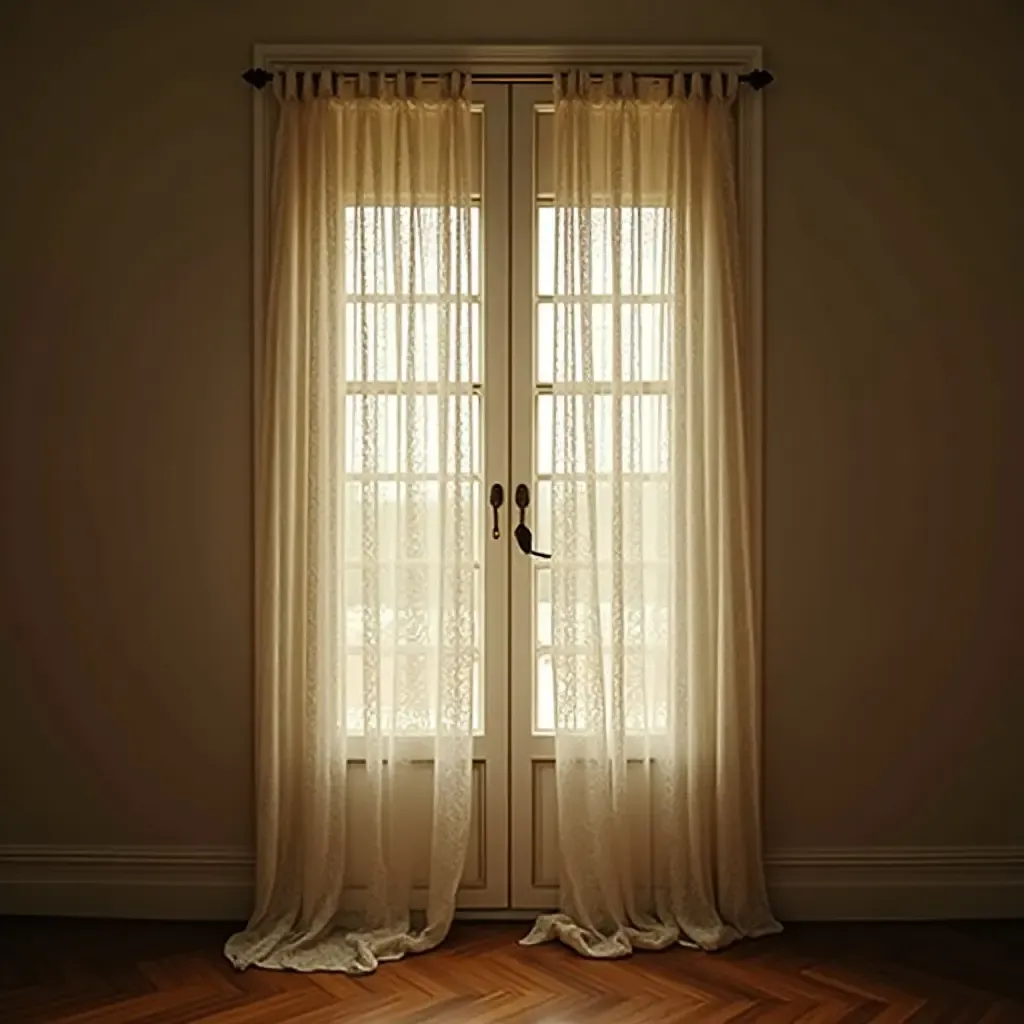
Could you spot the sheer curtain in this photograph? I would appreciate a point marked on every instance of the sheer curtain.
(654, 654)
(367, 633)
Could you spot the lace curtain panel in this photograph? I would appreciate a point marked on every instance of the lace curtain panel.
(366, 556)
(654, 653)
(369, 513)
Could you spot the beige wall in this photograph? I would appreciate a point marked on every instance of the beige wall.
(895, 437)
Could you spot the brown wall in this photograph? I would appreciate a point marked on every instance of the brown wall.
(894, 439)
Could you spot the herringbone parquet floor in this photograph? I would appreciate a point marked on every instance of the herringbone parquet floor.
(90, 972)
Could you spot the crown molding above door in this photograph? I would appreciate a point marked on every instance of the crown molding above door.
(511, 60)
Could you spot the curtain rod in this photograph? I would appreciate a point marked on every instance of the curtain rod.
(757, 79)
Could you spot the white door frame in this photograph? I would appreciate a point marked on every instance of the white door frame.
(518, 873)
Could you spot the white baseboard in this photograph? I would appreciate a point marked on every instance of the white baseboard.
(214, 884)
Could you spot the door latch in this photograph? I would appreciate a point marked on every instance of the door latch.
(523, 534)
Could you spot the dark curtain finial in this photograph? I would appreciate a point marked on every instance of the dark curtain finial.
(258, 77)
(759, 78)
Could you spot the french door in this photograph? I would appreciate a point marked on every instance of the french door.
(512, 317)
(512, 701)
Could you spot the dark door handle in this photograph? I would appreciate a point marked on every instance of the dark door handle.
(523, 534)
(496, 501)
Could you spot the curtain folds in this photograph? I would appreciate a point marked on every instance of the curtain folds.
(654, 647)
(369, 544)
(367, 634)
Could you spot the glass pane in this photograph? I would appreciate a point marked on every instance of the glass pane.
(391, 341)
(392, 518)
(545, 250)
(582, 433)
(405, 671)
(645, 517)
(561, 332)
(544, 704)
(417, 720)
(542, 593)
(643, 341)
(540, 515)
(434, 249)
(637, 240)
(544, 690)
(405, 434)
(633, 645)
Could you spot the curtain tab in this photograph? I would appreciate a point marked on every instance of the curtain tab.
(724, 85)
(291, 86)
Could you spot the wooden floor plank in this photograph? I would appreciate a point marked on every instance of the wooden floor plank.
(68, 971)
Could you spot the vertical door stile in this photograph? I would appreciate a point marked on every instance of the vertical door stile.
(533, 849)
(486, 885)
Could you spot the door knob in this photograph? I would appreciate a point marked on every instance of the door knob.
(522, 533)
(496, 501)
